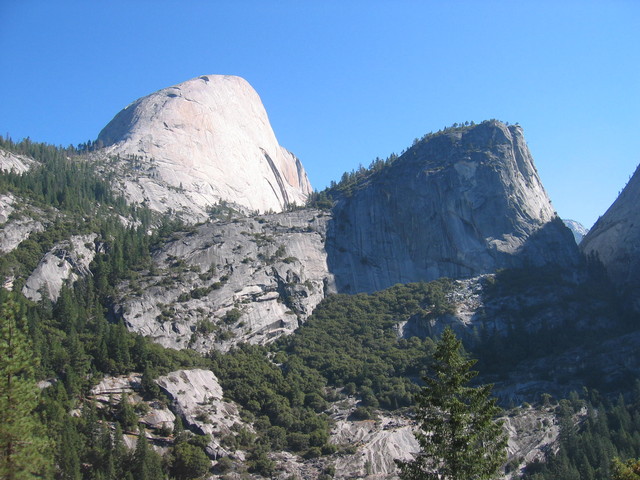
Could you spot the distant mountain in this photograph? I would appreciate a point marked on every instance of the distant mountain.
(200, 142)
(578, 230)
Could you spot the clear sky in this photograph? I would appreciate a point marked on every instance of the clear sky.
(346, 81)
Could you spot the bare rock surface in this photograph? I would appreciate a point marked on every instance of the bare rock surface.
(16, 224)
(462, 203)
(14, 162)
(615, 239)
(532, 433)
(65, 262)
(377, 444)
(247, 279)
(197, 398)
(109, 392)
(207, 139)
(112, 387)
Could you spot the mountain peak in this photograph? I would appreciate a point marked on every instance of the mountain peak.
(459, 203)
(211, 136)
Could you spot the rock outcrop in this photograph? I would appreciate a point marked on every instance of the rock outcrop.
(17, 222)
(457, 204)
(379, 444)
(532, 433)
(615, 238)
(65, 262)
(239, 280)
(197, 398)
(463, 203)
(14, 162)
(207, 140)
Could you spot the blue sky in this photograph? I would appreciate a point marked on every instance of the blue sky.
(345, 82)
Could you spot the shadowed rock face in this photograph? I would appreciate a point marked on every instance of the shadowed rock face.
(615, 238)
(211, 137)
(459, 204)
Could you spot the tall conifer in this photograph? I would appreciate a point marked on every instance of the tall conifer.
(23, 444)
(458, 433)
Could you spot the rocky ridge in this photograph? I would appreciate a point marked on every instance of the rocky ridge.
(198, 398)
(271, 271)
(209, 140)
(10, 161)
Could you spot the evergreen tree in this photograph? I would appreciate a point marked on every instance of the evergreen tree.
(68, 458)
(120, 453)
(458, 434)
(146, 462)
(126, 415)
(189, 462)
(23, 445)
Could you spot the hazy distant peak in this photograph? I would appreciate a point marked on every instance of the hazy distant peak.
(578, 230)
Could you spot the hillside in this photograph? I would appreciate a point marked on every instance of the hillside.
(291, 344)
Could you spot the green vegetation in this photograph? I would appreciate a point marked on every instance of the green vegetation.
(593, 430)
(348, 182)
(285, 401)
(629, 470)
(76, 340)
(60, 180)
(352, 341)
(23, 447)
(459, 436)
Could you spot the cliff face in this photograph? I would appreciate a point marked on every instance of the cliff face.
(207, 139)
(615, 238)
(243, 280)
(458, 204)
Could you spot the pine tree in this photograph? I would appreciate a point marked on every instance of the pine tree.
(189, 462)
(146, 462)
(126, 415)
(23, 445)
(68, 458)
(458, 432)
